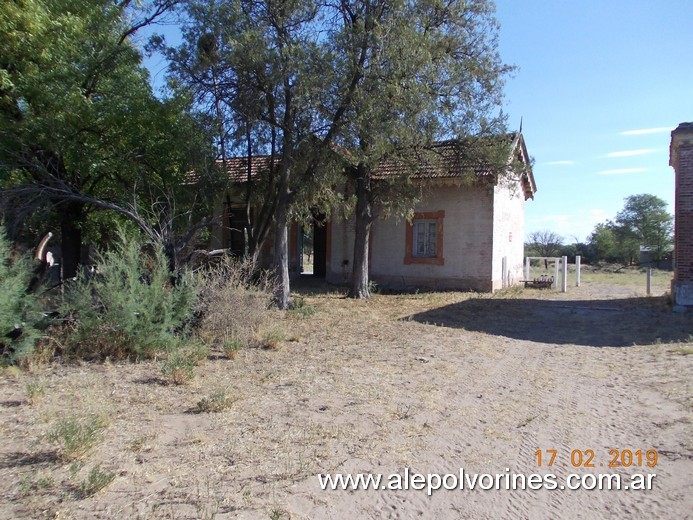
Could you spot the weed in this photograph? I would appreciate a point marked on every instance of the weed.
(273, 337)
(196, 352)
(276, 514)
(403, 412)
(27, 486)
(217, 402)
(76, 436)
(34, 392)
(96, 480)
(526, 421)
(141, 443)
(231, 348)
(179, 367)
(300, 309)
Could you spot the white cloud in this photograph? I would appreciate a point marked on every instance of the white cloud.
(621, 171)
(644, 131)
(597, 215)
(559, 163)
(630, 153)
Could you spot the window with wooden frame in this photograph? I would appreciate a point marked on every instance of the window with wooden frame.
(424, 240)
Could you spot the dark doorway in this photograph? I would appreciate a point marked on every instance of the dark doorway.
(319, 248)
(313, 248)
(237, 221)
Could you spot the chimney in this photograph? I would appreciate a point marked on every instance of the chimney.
(681, 159)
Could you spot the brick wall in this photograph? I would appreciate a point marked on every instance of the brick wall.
(681, 159)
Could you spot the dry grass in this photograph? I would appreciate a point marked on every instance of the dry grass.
(235, 306)
(432, 381)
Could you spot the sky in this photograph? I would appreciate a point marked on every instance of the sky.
(599, 86)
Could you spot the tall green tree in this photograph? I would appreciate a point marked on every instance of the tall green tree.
(80, 129)
(421, 71)
(319, 85)
(645, 221)
(604, 243)
(266, 88)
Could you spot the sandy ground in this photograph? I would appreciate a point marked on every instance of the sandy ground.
(428, 382)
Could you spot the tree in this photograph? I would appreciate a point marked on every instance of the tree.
(80, 129)
(320, 86)
(545, 243)
(604, 243)
(644, 221)
(420, 71)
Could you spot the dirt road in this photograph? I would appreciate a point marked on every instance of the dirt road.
(424, 383)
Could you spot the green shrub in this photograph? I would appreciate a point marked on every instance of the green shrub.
(34, 392)
(132, 307)
(231, 347)
(179, 366)
(300, 308)
(273, 337)
(19, 311)
(77, 436)
(96, 480)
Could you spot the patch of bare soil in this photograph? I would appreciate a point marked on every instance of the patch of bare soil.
(429, 382)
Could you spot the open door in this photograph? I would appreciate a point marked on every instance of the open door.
(312, 247)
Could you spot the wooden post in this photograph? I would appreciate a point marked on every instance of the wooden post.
(564, 274)
(649, 281)
(577, 270)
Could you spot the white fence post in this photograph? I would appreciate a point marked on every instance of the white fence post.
(504, 273)
(527, 261)
(564, 274)
(577, 270)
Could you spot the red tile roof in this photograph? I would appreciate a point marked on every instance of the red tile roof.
(447, 159)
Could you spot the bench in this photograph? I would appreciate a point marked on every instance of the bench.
(543, 282)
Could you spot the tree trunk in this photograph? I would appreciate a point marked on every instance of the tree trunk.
(364, 218)
(71, 218)
(281, 242)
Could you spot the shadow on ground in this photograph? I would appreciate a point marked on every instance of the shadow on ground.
(596, 323)
(19, 458)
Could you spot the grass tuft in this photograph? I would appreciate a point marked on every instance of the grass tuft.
(34, 392)
(96, 481)
(215, 403)
(77, 436)
(273, 338)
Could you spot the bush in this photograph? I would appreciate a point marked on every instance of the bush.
(19, 311)
(233, 304)
(132, 307)
(300, 308)
(179, 366)
(96, 480)
(77, 436)
(217, 402)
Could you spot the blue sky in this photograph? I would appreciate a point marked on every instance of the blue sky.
(600, 85)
